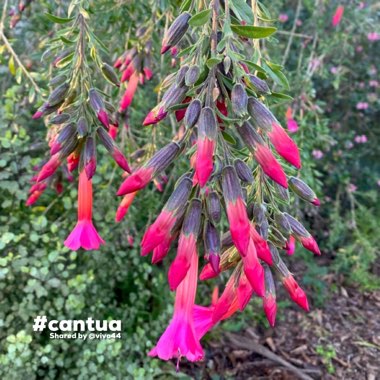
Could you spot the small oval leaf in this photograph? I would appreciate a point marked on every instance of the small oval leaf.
(251, 31)
(200, 18)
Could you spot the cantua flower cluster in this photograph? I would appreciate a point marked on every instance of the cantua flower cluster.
(79, 117)
(226, 207)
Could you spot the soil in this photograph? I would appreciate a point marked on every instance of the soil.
(340, 341)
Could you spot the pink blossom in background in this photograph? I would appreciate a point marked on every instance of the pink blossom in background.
(334, 70)
(349, 145)
(351, 188)
(378, 182)
(283, 17)
(299, 22)
(362, 106)
(314, 64)
(337, 18)
(361, 85)
(291, 124)
(373, 36)
(317, 154)
(359, 48)
(361, 139)
(372, 70)
(373, 83)
(362, 5)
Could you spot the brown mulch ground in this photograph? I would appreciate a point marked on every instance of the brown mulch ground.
(340, 341)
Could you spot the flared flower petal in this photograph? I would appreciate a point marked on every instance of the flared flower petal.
(85, 236)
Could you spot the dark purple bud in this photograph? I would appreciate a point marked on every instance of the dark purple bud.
(213, 206)
(296, 226)
(192, 75)
(243, 171)
(263, 229)
(68, 146)
(192, 113)
(66, 133)
(261, 116)
(58, 95)
(110, 74)
(259, 85)
(282, 192)
(239, 99)
(303, 191)
(174, 95)
(259, 211)
(164, 157)
(231, 184)
(59, 79)
(227, 240)
(274, 252)
(207, 124)
(82, 127)
(176, 31)
(139, 153)
(277, 237)
(269, 282)
(249, 136)
(212, 246)
(282, 222)
(180, 195)
(89, 157)
(180, 78)
(60, 119)
(96, 101)
(192, 221)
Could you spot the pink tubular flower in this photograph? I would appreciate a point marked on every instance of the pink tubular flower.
(84, 233)
(284, 145)
(204, 160)
(253, 270)
(136, 181)
(244, 291)
(129, 92)
(49, 168)
(261, 246)
(337, 18)
(35, 192)
(295, 291)
(158, 232)
(310, 244)
(270, 165)
(180, 339)
(124, 206)
(236, 209)
(290, 246)
(270, 308)
(157, 114)
(161, 250)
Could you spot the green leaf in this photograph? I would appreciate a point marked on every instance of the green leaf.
(254, 66)
(251, 31)
(185, 6)
(58, 20)
(11, 66)
(200, 18)
(211, 62)
(227, 137)
(242, 10)
(277, 76)
(280, 95)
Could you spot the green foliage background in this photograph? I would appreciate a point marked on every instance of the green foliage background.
(39, 276)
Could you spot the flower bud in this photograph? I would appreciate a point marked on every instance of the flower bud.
(258, 85)
(69, 146)
(180, 195)
(261, 116)
(296, 227)
(192, 222)
(303, 191)
(192, 75)
(212, 246)
(82, 128)
(110, 74)
(58, 95)
(192, 113)
(164, 157)
(296, 292)
(213, 207)
(174, 95)
(269, 299)
(89, 157)
(96, 101)
(259, 211)
(282, 222)
(66, 133)
(227, 64)
(176, 31)
(243, 171)
(180, 78)
(263, 229)
(59, 79)
(60, 118)
(239, 99)
(282, 192)
(112, 148)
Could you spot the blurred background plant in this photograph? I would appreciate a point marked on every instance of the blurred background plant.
(333, 78)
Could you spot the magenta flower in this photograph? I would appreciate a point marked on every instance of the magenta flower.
(373, 36)
(296, 292)
(317, 154)
(283, 17)
(180, 339)
(84, 234)
(129, 93)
